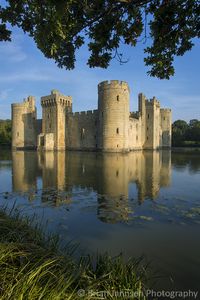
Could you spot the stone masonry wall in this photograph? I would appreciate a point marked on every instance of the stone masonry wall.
(113, 116)
(110, 128)
(81, 130)
(24, 124)
(165, 121)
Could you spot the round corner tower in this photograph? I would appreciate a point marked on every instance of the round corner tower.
(113, 116)
(24, 133)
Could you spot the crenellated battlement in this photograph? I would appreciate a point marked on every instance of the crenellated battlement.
(165, 111)
(152, 101)
(113, 84)
(141, 95)
(135, 115)
(19, 105)
(111, 127)
(56, 98)
(84, 113)
(28, 102)
(53, 101)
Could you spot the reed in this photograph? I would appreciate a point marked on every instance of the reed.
(33, 266)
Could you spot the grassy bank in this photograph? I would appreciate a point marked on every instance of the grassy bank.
(34, 267)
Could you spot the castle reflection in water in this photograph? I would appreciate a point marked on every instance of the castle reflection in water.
(111, 176)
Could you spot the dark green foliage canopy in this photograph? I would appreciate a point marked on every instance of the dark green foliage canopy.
(186, 134)
(5, 132)
(59, 28)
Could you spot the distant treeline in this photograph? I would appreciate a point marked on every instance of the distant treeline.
(5, 132)
(183, 134)
(186, 134)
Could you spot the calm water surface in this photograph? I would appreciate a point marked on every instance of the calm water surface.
(142, 203)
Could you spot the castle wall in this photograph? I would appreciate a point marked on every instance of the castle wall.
(113, 116)
(110, 128)
(24, 124)
(134, 134)
(142, 112)
(81, 130)
(165, 121)
(54, 110)
(156, 132)
(152, 124)
(49, 122)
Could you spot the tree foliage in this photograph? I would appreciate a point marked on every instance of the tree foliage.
(186, 134)
(61, 27)
(5, 132)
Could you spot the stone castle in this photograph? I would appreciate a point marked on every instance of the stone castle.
(112, 127)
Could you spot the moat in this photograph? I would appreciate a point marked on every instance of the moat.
(141, 203)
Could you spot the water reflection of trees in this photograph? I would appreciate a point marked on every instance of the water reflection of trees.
(5, 154)
(190, 160)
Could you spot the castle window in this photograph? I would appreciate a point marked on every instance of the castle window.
(82, 133)
(95, 122)
(147, 137)
(48, 116)
(96, 145)
(164, 118)
(147, 128)
(148, 116)
(117, 145)
(136, 137)
(17, 134)
(117, 130)
(117, 97)
(50, 126)
(95, 136)
(136, 126)
(102, 114)
(117, 173)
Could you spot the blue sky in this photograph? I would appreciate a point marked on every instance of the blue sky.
(25, 71)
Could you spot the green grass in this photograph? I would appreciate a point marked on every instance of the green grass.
(33, 266)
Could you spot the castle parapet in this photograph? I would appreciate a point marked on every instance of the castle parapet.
(111, 127)
(135, 115)
(28, 102)
(152, 101)
(55, 92)
(65, 101)
(113, 84)
(84, 113)
(165, 110)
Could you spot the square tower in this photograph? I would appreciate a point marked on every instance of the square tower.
(54, 109)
